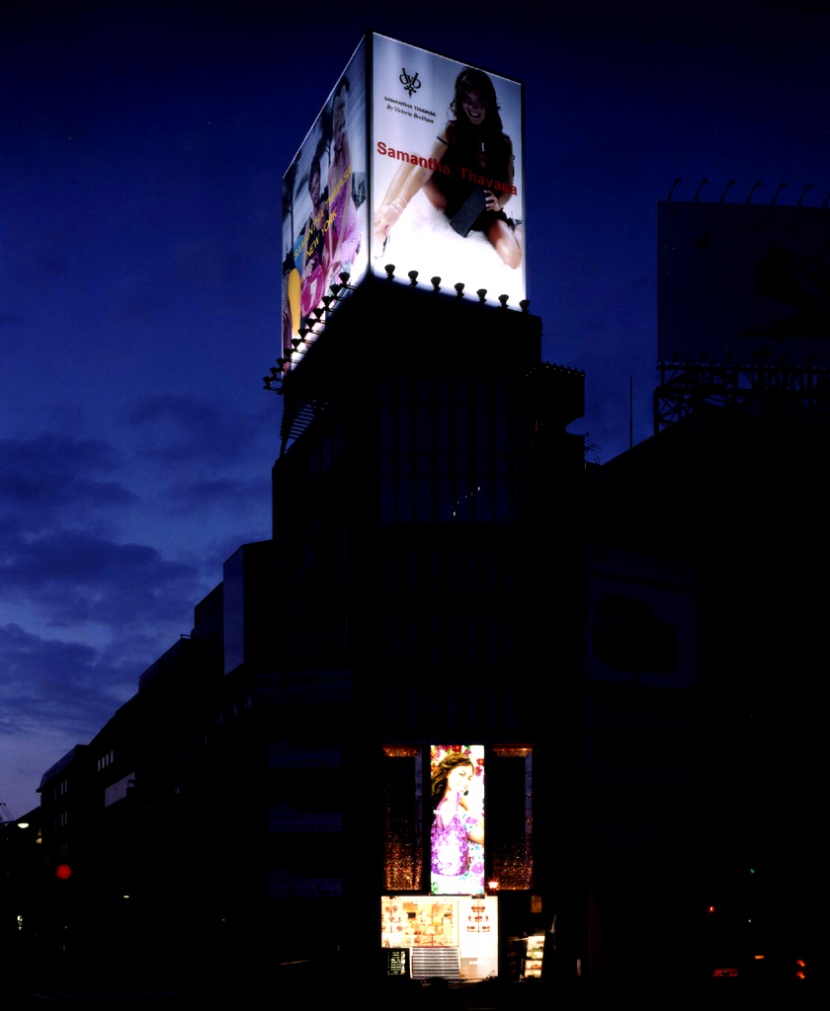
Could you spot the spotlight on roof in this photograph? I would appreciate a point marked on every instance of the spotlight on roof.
(436, 283)
(503, 301)
(775, 195)
(752, 191)
(809, 186)
(524, 305)
(413, 277)
(482, 294)
(459, 288)
(390, 271)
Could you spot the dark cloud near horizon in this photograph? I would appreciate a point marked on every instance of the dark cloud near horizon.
(62, 510)
(52, 478)
(76, 577)
(66, 553)
(184, 429)
(54, 682)
(220, 493)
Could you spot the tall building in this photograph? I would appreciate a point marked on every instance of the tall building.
(407, 519)
(423, 446)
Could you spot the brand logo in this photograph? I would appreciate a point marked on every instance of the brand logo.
(410, 84)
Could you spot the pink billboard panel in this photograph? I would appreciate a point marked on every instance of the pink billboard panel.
(457, 832)
(324, 204)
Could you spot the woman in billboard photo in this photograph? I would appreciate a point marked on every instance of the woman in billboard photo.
(469, 174)
(314, 266)
(343, 235)
(457, 828)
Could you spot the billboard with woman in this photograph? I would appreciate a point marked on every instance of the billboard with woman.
(447, 171)
(422, 169)
(457, 831)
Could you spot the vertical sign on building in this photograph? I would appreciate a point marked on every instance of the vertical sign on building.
(457, 832)
(447, 171)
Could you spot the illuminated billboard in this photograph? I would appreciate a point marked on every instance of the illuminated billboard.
(466, 927)
(425, 173)
(457, 831)
(324, 204)
(743, 281)
(447, 171)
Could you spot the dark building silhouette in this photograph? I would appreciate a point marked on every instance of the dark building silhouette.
(634, 646)
(262, 779)
(405, 515)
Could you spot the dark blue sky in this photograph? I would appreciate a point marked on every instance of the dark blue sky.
(142, 150)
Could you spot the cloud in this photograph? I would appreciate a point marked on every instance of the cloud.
(77, 577)
(55, 683)
(185, 429)
(55, 693)
(236, 497)
(53, 478)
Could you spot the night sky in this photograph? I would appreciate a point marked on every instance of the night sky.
(143, 146)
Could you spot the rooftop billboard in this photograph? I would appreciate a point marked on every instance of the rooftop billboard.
(425, 173)
(324, 204)
(447, 171)
(743, 279)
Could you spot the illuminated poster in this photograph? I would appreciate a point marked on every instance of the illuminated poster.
(447, 171)
(457, 831)
(324, 208)
(418, 924)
